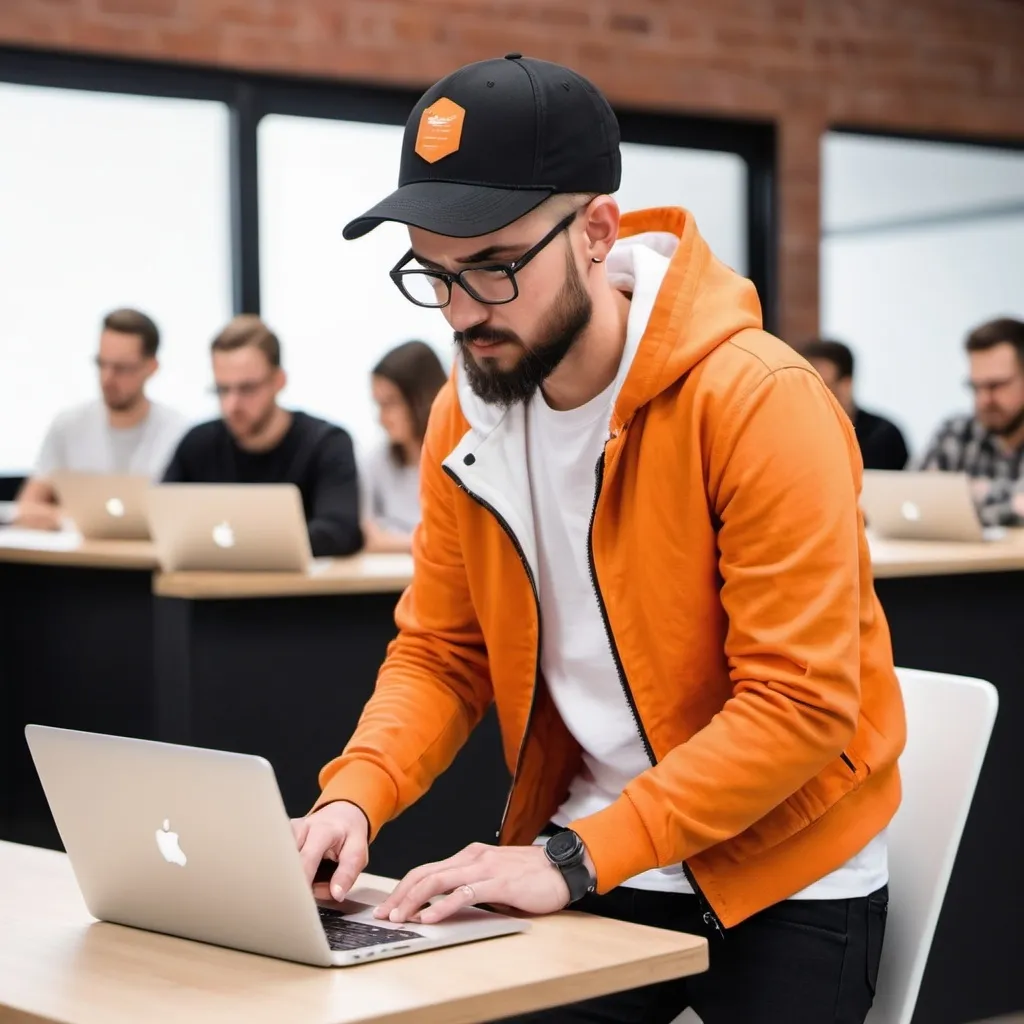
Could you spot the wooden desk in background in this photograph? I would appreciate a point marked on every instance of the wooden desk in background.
(281, 665)
(58, 964)
(892, 559)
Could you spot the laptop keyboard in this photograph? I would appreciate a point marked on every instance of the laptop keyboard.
(343, 933)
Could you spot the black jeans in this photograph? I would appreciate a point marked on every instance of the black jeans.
(798, 962)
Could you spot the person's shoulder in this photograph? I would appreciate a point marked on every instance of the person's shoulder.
(749, 358)
(318, 428)
(962, 425)
(167, 416)
(325, 441)
(73, 418)
(876, 422)
(203, 434)
(753, 364)
(376, 457)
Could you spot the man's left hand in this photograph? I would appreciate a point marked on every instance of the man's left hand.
(521, 877)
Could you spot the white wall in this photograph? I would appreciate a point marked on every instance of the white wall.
(332, 302)
(105, 201)
(905, 298)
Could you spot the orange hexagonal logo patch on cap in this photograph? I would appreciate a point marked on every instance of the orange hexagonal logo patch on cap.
(440, 131)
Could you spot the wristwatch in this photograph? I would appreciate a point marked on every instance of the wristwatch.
(565, 850)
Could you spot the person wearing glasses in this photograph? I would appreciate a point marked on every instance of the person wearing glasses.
(123, 432)
(257, 441)
(989, 446)
(640, 540)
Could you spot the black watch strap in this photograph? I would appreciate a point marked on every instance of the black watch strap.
(578, 879)
(566, 852)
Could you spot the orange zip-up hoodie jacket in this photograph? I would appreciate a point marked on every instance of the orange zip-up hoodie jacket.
(733, 575)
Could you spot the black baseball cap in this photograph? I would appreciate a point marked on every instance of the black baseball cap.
(492, 141)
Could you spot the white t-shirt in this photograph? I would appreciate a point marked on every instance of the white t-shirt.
(389, 493)
(82, 440)
(563, 450)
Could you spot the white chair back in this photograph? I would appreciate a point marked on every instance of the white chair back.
(949, 722)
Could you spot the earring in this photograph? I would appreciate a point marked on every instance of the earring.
(596, 259)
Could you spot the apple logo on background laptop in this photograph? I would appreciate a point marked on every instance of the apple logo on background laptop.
(223, 535)
(167, 843)
(910, 512)
(115, 507)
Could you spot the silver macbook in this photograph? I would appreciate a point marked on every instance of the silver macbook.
(229, 527)
(196, 843)
(104, 506)
(928, 505)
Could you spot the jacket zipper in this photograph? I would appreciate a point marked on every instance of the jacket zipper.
(536, 668)
(709, 916)
(848, 762)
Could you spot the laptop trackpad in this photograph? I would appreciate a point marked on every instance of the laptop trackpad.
(360, 903)
(359, 900)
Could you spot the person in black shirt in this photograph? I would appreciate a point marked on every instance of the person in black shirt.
(257, 441)
(881, 443)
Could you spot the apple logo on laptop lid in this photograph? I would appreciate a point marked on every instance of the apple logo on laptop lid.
(168, 845)
(910, 512)
(223, 535)
(115, 507)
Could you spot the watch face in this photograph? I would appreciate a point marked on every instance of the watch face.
(563, 846)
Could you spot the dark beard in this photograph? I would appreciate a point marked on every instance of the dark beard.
(568, 319)
(125, 405)
(1011, 427)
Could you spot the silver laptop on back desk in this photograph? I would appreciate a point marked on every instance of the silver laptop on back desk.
(196, 843)
(104, 506)
(922, 505)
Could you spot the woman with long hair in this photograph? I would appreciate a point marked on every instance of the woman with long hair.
(404, 383)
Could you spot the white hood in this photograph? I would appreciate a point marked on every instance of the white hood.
(635, 265)
(490, 461)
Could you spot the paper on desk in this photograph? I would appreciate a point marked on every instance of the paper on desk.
(40, 540)
(387, 564)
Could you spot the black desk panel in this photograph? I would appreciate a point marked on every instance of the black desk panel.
(973, 625)
(76, 652)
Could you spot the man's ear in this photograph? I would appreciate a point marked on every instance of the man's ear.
(601, 227)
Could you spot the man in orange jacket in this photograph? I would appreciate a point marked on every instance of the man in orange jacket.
(641, 541)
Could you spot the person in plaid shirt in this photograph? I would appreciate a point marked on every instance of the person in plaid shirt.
(989, 446)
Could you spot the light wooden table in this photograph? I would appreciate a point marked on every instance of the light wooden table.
(93, 554)
(58, 964)
(358, 574)
(892, 558)
(379, 573)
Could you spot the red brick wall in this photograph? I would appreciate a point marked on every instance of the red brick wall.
(945, 66)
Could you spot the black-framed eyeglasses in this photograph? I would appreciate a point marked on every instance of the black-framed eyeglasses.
(493, 284)
(977, 387)
(121, 369)
(244, 389)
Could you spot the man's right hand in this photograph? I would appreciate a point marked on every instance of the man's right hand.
(340, 832)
